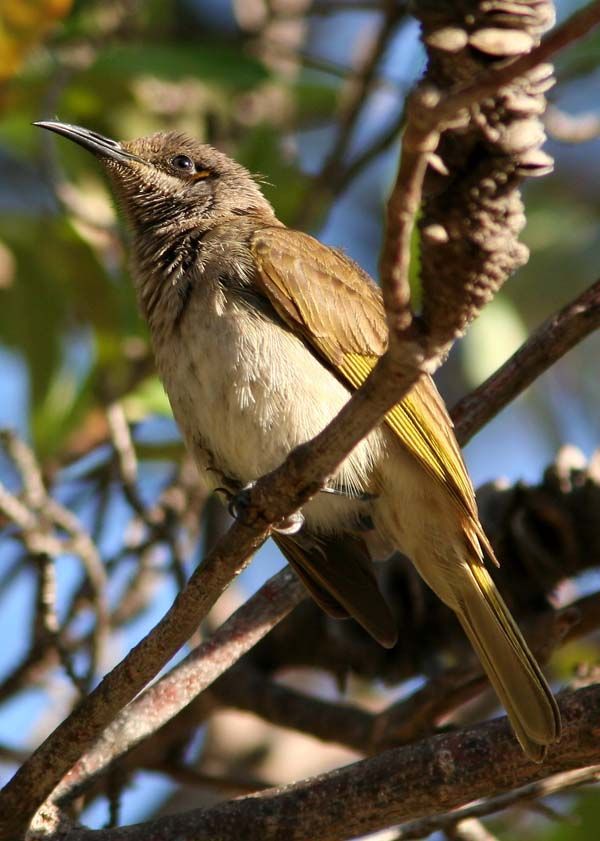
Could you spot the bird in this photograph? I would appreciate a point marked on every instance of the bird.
(260, 335)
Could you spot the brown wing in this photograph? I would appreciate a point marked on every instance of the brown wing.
(338, 573)
(337, 308)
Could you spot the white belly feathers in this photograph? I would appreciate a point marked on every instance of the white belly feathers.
(249, 391)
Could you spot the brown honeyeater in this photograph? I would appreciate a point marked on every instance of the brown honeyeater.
(260, 334)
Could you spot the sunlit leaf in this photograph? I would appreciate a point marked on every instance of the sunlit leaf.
(580, 59)
(149, 398)
(584, 825)
(491, 339)
(32, 309)
(313, 100)
(61, 411)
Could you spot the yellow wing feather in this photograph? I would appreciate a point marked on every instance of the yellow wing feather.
(421, 432)
(337, 308)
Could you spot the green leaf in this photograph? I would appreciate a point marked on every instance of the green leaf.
(491, 339)
(61, 288)
(32, 308)
(313, 100)
(584, 827)
(214, 63)
(148, 398)
(65, 403)
(580, 59)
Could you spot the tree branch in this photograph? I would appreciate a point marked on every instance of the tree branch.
(411, 718)
(332, 173)
(424, 778)
(173, 692)
(555, 337)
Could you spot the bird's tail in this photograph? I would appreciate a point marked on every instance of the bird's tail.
(507, 660)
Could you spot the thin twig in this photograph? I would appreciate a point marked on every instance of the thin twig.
(48, 631)
(332, 68)
(555, 337)
(81, 544)
(346, 724)
(27, 466)
(121, 440)
(361, 86)
(381, 144)
(161, 520)
(559, 783)
(231, 785)
(35, 780)
(39, 516)
(246, 688)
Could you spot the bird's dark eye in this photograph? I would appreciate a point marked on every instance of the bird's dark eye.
(183, 164)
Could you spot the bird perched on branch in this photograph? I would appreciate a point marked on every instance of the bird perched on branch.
(260, 335)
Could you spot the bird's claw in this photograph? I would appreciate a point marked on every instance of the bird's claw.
(238, 505)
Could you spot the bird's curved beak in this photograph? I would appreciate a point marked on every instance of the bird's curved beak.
(92, 141)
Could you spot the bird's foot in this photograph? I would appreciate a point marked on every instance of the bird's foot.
(238, 505)
(291, 524)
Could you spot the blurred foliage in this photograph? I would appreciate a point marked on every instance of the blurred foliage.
(23, 24)
(584, 827)
(135, 58)
(158, 65)
(577, 817)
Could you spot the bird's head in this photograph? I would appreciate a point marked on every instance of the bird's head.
(169, 180)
